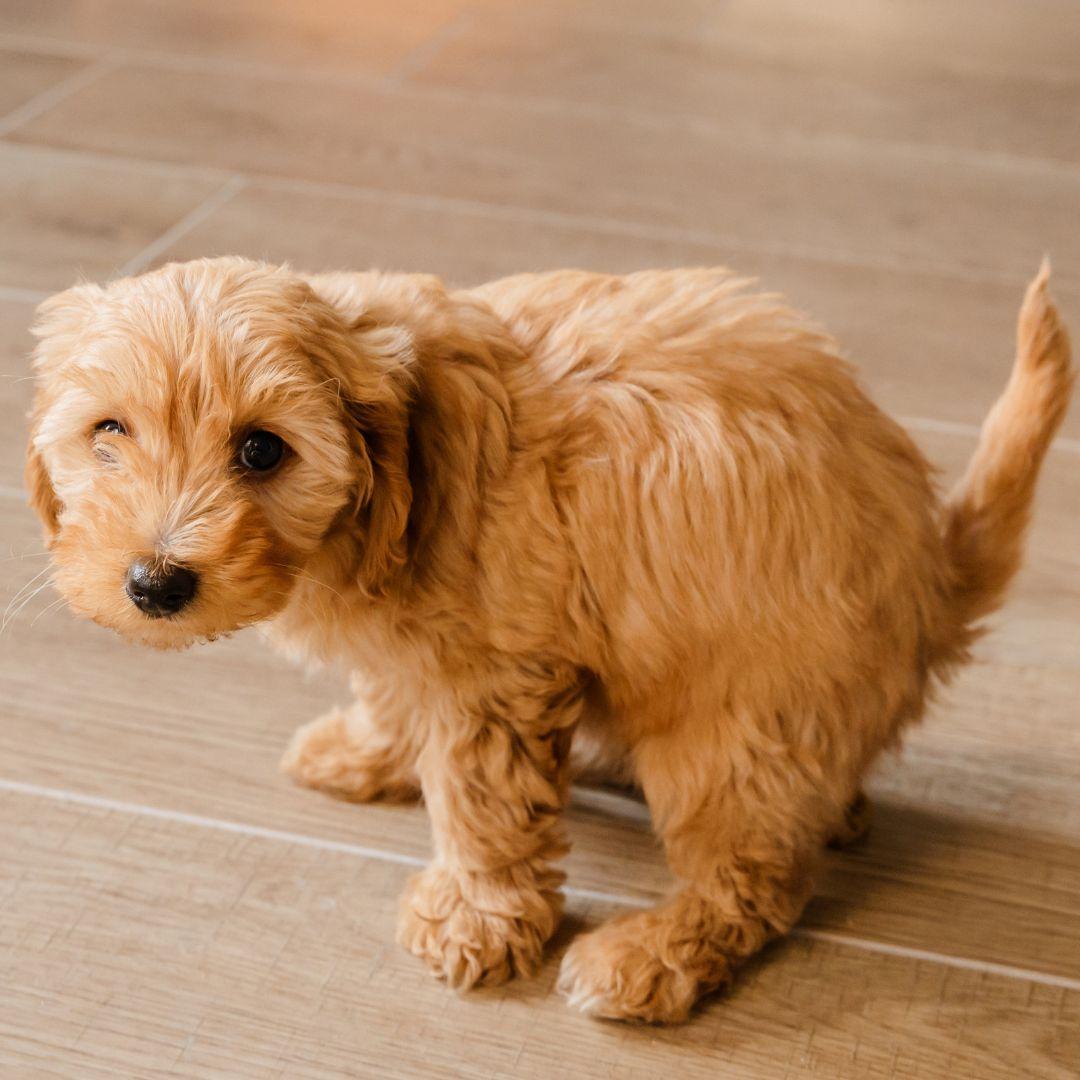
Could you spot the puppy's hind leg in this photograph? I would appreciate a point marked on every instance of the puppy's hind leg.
(362, 753)
(856, 823)
(744, 840)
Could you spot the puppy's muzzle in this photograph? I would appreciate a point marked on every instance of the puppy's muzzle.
(158, 590)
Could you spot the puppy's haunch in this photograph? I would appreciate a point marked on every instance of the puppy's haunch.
(644, 528)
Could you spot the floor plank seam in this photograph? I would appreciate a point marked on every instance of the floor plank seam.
(190, 221)
(953, 427)
(533, 216)
(180, 817)
(49, 47)
(22, 296)
(100, 159)
(415, 61)
(649, 118)
(55, 94)
(909, 952)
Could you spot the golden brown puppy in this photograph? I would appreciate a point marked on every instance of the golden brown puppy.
(653, 516)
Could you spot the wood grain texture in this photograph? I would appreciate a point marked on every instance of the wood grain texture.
(153, 948)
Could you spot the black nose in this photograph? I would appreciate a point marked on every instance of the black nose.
(159, 590)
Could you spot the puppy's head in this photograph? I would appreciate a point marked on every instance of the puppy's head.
(198, 432)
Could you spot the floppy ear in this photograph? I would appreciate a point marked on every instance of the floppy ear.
(58, 324)
(39, 489)
(372, 361)
(382, 512)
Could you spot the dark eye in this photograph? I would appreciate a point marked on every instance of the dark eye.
(111, 427)
(262, 451)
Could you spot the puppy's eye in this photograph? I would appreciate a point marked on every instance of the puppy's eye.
(111, 427)
(262, 451)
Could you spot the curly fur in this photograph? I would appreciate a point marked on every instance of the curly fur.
(651, 520)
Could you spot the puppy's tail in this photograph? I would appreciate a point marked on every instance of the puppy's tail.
(987, 514)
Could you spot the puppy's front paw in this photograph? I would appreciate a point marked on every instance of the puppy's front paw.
(621, 971)
(326, 755)
(480, 939)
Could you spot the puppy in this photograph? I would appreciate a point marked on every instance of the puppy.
(650, 516)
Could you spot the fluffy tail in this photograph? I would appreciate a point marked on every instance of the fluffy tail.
(987, 514)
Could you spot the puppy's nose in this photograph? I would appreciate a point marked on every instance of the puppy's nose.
(159, 590)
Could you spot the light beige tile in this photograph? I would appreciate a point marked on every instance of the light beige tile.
(23, 77)
(335, 37)
(62, 221)
(873, 71)
(143, 947)
(746, 187)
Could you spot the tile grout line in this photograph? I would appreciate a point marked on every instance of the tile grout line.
(909, 952)
(190, 221)
(528, 215)
(55, 94)
(47, 46)
(101, 159)
(22, 296)
(97, 802)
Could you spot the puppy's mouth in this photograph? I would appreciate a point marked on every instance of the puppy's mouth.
(174, 608)
(166, 612)
(165, 601)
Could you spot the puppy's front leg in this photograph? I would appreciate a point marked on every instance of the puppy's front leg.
(494, 777)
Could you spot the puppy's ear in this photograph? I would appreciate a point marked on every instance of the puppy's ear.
(58, 324)
(372, 361)
(39, 489)
(378, 404)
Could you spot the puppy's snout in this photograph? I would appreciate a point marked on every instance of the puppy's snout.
(159, 590)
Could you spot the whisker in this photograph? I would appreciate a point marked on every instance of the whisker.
(303, 575)
(9, 619)
(45, 610)
(22, 589)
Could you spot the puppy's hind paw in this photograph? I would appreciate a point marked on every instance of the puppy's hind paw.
(856, 823)
(325, 754)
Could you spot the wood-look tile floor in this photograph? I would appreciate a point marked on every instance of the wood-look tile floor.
(169, 906)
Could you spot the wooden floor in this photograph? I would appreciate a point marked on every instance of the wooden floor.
(168, 905)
